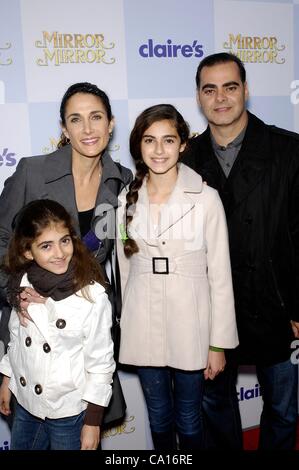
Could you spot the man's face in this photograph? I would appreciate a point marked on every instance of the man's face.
(222, 95)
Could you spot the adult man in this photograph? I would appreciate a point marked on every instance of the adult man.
(255, 168)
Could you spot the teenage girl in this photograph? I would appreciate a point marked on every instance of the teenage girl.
(178, 306)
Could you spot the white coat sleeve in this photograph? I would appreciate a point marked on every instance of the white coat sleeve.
(99, 363)
(14, 325)
(223, 333)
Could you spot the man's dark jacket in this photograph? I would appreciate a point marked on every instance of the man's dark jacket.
(261, 201)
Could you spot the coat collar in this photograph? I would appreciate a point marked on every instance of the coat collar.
(252, 162)
(248, 170)
(179, 204)
(58, 166)
(112, 182)
(188, 182)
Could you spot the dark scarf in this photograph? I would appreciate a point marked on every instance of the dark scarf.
(47, 284)
(56, 286)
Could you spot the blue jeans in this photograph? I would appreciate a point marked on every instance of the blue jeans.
(221, 413)
(279, 386)
(173, 399)
(32, 433)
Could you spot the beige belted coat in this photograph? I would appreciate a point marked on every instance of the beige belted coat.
(177, 290)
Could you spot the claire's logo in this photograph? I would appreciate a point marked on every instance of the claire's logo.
(7, 158)
(169, 49)
(249, 393)
(5, 446)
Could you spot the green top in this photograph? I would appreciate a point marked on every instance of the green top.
(213, 348)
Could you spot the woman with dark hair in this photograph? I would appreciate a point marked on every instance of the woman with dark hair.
(80, 175)
(178, 305)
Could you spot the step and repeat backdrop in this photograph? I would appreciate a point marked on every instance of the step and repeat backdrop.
(141, 53)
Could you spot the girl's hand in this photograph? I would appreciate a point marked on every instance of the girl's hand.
(5, 396)
(26, 296)
(216, 364)
(90, 437)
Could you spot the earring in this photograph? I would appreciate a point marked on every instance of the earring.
(110, 134)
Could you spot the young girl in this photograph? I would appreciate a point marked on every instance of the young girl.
(60, 366)
(178, 305)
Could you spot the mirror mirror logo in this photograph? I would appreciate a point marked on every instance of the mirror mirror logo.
(7, 158)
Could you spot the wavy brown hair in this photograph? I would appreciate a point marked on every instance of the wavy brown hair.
(149, 116)
(30, 223)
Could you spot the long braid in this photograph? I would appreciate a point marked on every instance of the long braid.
(149, 116)
(130, 246)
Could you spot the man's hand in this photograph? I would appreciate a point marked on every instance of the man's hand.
(27, 296)
(90, 437)
(295, 328)
(216, 364)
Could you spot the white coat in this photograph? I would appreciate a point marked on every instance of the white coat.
(64, 357)
(171, 319)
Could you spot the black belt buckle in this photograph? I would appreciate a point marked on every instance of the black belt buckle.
(166, 266)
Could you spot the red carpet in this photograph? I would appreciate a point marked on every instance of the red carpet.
(250, 439)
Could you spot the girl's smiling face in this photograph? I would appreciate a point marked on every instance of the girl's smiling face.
(161, 146)
(52, 249)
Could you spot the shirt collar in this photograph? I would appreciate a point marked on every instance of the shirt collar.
(235, 143)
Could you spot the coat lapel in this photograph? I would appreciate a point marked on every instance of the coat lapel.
(178, 206)
(207, 164)
(59, 181)
(141, 226)
(180, 202)
(247, 171)
(250, 166)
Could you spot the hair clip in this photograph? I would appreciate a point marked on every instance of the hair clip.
(123, 234)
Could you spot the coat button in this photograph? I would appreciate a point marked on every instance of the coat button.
(38, 389)
(60, 323)
(28, 341)
(255, 315)
(46, 347)
(23, 381)
(91, 282)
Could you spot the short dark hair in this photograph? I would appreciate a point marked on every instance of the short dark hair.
(220, 58)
